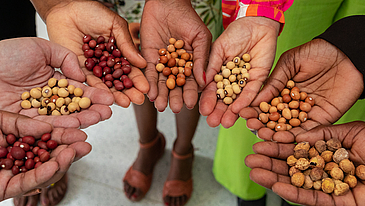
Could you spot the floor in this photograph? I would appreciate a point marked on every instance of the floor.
(97, 178)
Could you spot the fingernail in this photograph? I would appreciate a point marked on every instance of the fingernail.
(134, 196)
(204, 77)
(166, 203)
(152, 100)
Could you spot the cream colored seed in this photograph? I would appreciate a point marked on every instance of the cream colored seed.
(239, 76)
(290, 84)
(25, 95)
(51, 106)
(241, 82)
(36, 103)
(25, 104)
(223, 67)
(237, 60)
(78, 92)
(236, 71)
(67, 100)
(47, 91)
(241, 63)
(246, 57)
(232, 78)
(220, 93)
(247, 66)
(64, 110)
(160, 67)
(52, 82)
(243, 71)
(62, 83)
(236, 89)
(172, 40)
(72, 107)
(245, 75)
(76, 99)
(60, 102)
(35, 93)
(234, 96)
(45, 101)
(62, 92)
(228, 92)
(220, 85)
(55, 90)
(227, 100)
(226, 82)
(56, 113)
(230, 65)
(71, 89)
(84, 103)
(42, 111)
(226, 73)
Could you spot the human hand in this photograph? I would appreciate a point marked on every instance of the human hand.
(71, 147)
(255, 36)
(324, 73)
(30, 62)
(269, 167)
(162, 20)
(68, 23)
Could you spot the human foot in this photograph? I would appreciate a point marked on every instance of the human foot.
(138, 178)
(179, 184)
(48, 197)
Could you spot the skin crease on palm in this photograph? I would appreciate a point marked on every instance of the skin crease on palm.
(45, 57)
(162, 20)
(72, 147)
(323, 72)
(67, 23)
(270, 170)
(255, 36)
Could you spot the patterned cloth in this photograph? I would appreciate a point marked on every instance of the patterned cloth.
(273, 9)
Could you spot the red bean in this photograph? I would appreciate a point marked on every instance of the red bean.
(118, 73)
(35, 150)
(92, 43)
(10, 138)
(37, 164)
(45, 137)
(98, 53)
(86, 38)
(44, 157)
(85, 47)
(6, 164)
(100, 46)
(103, 58)
(17, 144)
(29, 140)
(29, 164)
(41, 151)
(15, 170)
(89, 64)
(117, 53)
(51, 144)
(42, 144)
(118, 85)
(117, 66)
(102, 64)
(110, 47)
(18, 163)
(3, 152)
(110, 63)
(107, 70)
(36, 159)
(123, 77)
(17, 153)
(126, 69)
(127, 83)
(98, 71)
(106, 54)
(24, 146)
(125, 62)
(109, 77)
(10, 157)
(100, 39)
(29, 155)
(23, 169)
(109, 84)
(89, 53)
(111, 39)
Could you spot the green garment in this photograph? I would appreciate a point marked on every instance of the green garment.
(304, 20)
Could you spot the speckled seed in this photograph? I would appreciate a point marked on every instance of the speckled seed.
(220, 93)
(78, 92)
(64, 110)
(241, 83)
(246, 57)
(56, 113)
(62, 83)
(42, 110)
(35, 93)
(227, 100)
(303, 116)
(36, 103)
(25, 95)
(247, 66)
(62, 92)
(84, 102)
(237, 60)
(25, 104)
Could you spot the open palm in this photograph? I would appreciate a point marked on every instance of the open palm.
(162, 20)
(269, 167)
(68, 23)
(28, 63)
(254, 35)
(324, 73)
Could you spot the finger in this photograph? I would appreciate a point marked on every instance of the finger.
(215, 63)
(214, 119)
(190, 93)
(273, 149)
(152, 77)
(20, 125)
(139, 82)
(267, 178)
(264, 162)
(164, 93)
(249, 112)
(229, 118)
(201, 48)
(176, 101)
(68, 136)
(208, 99)
(81, 148)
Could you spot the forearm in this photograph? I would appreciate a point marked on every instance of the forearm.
(43, 7)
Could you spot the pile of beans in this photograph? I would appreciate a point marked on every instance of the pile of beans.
(57, 98)
(25, 153)
(232, 78)
(106, 62)
(287, 110)
(175, 63)
(324, 166)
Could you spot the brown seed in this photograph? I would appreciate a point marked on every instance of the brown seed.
(166, 71)
(179, 44)
(170, 83)
(171, 62)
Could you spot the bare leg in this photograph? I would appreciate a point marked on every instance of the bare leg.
(146, 116)
(181, 169)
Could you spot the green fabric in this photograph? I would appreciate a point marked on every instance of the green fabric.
(304, 20)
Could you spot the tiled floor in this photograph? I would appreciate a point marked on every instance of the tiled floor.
(97, 178)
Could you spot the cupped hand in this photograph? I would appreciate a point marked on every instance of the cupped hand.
(28, 63)
(72, 147)
(270, 170)
(253, 35)
(68, 23)
(324, 73)
(162, 20)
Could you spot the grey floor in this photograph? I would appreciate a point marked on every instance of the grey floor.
(97, 178)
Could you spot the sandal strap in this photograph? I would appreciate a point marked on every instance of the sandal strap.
(150, 144)
(138, 180)
(176, 188)
(181, 157)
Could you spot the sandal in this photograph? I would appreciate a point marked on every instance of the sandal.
(138, 179)
(178, 188)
